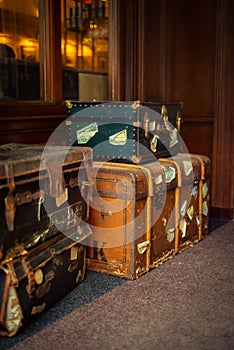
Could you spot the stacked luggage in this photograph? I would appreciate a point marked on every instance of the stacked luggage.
(150, 198)
(123, 196)
(44, 219)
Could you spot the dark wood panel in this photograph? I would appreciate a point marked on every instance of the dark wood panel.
(152, 63)
(191, 42)
(30, 129)
(40, 136)
(223, 147)
(198, 135)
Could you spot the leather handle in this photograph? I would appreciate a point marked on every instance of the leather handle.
(31, 286)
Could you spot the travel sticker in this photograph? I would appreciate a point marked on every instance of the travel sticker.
(86, 133)
(118, 139)
(170, 235)
(204, 208)
(141, 247)
(170, 173)
(197, 221)
(183, 208)
(194, 191)
(204, 190)
(183, 227)
(190, 212)
(173, 138)
(188, 167)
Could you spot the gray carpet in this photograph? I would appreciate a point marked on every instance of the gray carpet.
(186, 303)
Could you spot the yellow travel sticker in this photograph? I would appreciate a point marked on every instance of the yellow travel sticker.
(183, 227)
(188, 167)
(190, 212)
(85, 134)
(118, 139)
(204, 190)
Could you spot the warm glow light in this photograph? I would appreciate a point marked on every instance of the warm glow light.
(28, 42)
(87, 52)
(4, 39)
(71, 50)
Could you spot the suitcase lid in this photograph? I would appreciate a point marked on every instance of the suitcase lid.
(24, 159)
(129, 180)
(204, 165)
(21, 267)
(192, 166)
(110, 109)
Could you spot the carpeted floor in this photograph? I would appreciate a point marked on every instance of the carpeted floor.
(186, 303)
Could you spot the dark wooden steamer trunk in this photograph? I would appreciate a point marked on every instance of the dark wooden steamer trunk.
(129, 132)
(24, 220)
(151, 202)
(33, 282)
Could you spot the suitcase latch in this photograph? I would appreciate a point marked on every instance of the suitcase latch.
(57, 181)
(10, 211)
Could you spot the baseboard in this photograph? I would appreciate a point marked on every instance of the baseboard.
(221, 213)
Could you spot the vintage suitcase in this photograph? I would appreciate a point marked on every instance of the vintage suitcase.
(31, 283)
(42, 193)
(129, 132)
(132, 220)
(192, 198)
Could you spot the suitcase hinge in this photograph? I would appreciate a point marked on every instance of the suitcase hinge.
(9, 200)
(178, 122)
(28, 197)
(153, 143)
(136, 104)
(166, 118)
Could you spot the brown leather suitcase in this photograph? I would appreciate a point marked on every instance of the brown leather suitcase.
(39, 188)
(176, 215)
(133, 228)
(192, 196)
(33, 282)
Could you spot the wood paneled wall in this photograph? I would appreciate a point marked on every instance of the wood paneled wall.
(170, 50)
(185, 53)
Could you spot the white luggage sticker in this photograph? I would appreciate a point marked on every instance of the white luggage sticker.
(118, 139)
(85, 134)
